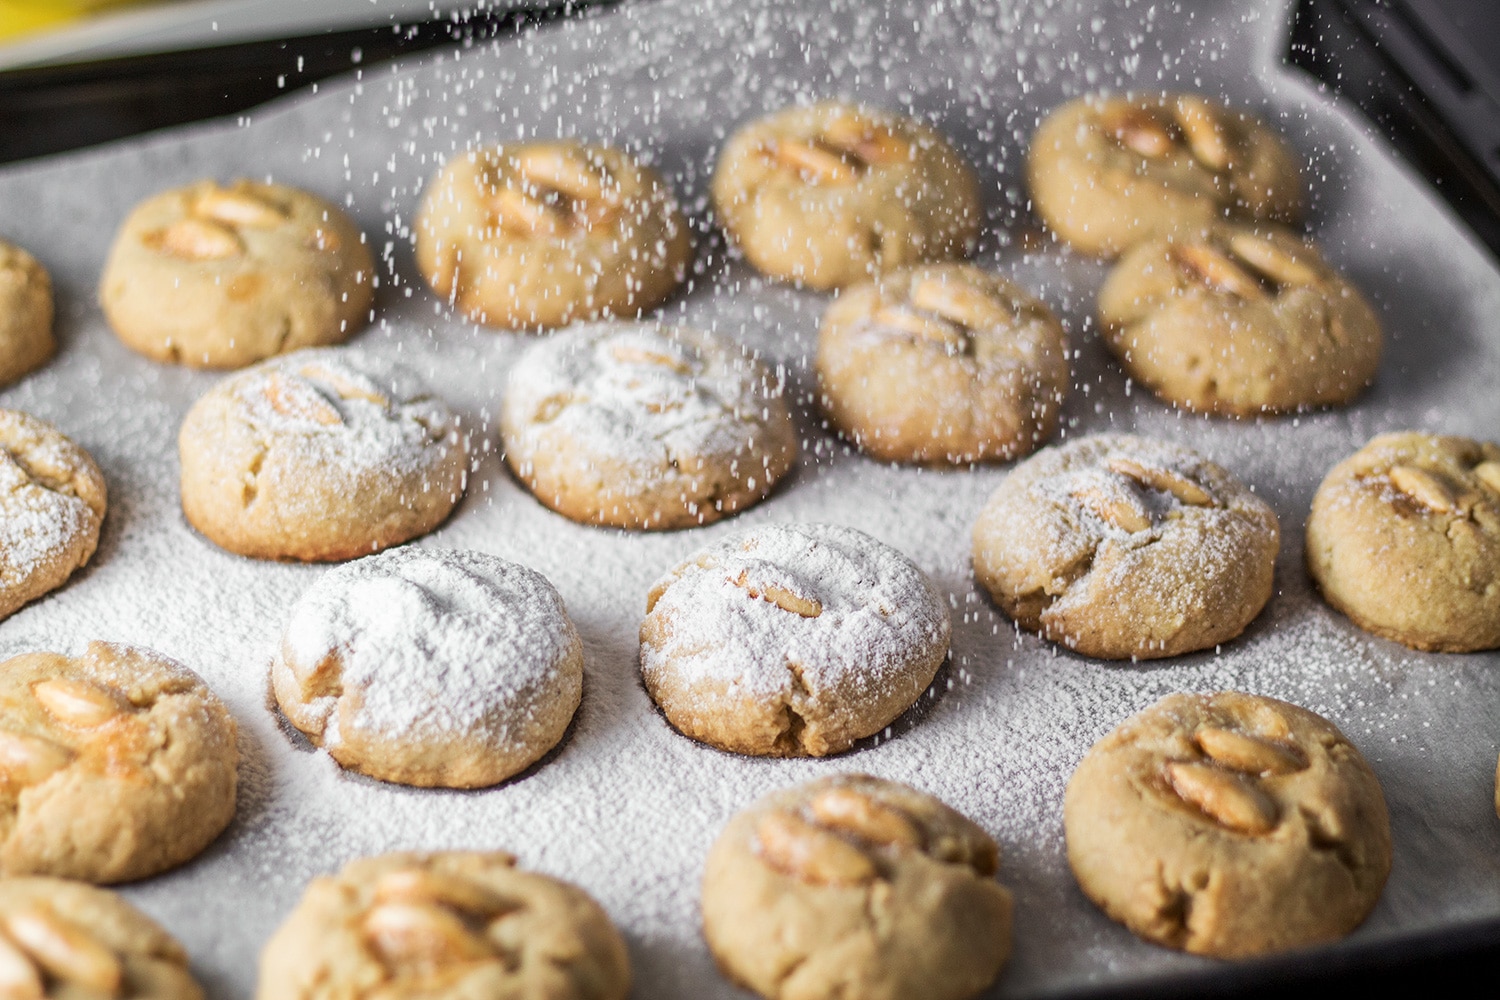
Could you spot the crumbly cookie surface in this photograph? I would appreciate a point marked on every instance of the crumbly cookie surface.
(52, 503)
(1243, 320)
(321, 455)
(62, 940)
(834, 193)
(852, 886)
(791, 640)
(548, 233)
(452, 925)
(1125, 547)
(943, 363)
(1404, 538)
(1109, 172)
(26, 341)
(431, 667)
(636, 425)
(223, 276)
(1228, 825)
(118, 764)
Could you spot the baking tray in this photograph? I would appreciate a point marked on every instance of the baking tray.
(626, 808)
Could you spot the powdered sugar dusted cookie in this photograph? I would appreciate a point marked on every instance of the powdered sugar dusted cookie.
(791, 640)
(636, 425)
(320, 455)
(942, 363)
(1127, 547)
(834, 193)
(26, 340)
(431, 667)
(52, 502)
(545, 233)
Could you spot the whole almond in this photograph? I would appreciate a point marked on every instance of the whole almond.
(237, 207)
(199, 240)
(807, 852)
(1251, 754)
(19, 978)
(958, 302)
(1213, 268)
(1205, 136)
(854, 812)
(64, 950)
(421, 934)
(1158, 478)
(30, 760)
(417, 885)
(815, 163)
(1427, 488)
(1224, 797)
(786, 600)
(78, 702)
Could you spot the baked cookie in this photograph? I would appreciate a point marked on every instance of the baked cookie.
(834, 193)
(791, 640)
(852, 886)
(431, 667)
(25, 314)
(1109, 172)
(1404, 538)
(321, 455)
(70, 941)
(446, 925)
(636, 425)
(544, 233)
(220, 277)
(942, 363)
(52, 502)
(1243, 320)
(1229, 825)
(1127, 547)
(117, 764)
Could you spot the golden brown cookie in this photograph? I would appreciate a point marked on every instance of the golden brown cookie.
(431, 667)
(52, 502)
(1404, 538)
(321, 455)
(453, 925)
(116, 765)
(1127, 547)
(1228, 825)
(852, 886)
(220, 277)
(62, 940)
(26, 340)
(942, 364)
(542, 234)
(1109, 172)
(834, 193)
(636, 425)
(1241, 321)
(791, 640)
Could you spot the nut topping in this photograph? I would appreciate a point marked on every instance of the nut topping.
(870, 142)
(521, 214)
(1223, 796)
(562, 170)
(635, 354)
(292, 397)
(1425, 488)
(1217, 270)
(786, 600)
(30, 760)
(77, 702)
(1138, 130)
(1165, 480)
(1114, 507)
(856, 813)
(237, 207)
(1272, 260)
(417, 885)
(345, 387)
(64, 950)
(19, 979)
(197, 239)
(1488, 473)
(421, 934)
(1240, 752)
(1201, 127)
(957, 302)
(921, 327)
(810, 853)
(816, 163)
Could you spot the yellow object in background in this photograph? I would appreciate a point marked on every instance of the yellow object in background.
(22, 17)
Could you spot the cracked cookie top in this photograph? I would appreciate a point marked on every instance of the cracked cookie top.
(114, 765)
(856, 886)
(791, 640)
(220, 276)
(1127, 547)
(1228, 824)
(637, 425)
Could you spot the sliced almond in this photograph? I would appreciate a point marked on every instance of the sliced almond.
(1203, 130)
(1163, 479)
(786, 600)
(1210, 267)
(939, 331)
(77, 702)
(519, 213)
(870, 142)
(296, 398)
(421, 934)
(635, 354)
(1114, 508)
(854, 812)
(1241, 752)
(807, 852)
(1488, 473)
(30, 760)
(417, 885)
(1425, 488)
(562, 169)
(959, 303)
(19, 978)
(1223, 796)
(237, 207)
(64, 950)
(1138, 130)
(345, 387)
(1271, 259)
(199, 240)
(814, 162)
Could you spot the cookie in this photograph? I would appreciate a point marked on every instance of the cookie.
(26, 341)
(445, 925)
(74, 942)
(1244, 320)
(52, 502)
(221, 277)
(852, 886)
(942, 364)
(1404, 538)
(321, 455)
(1109, 172)
(545, 233)
(635, 425)
(1126, 547)
(1229, 825)
(431, 667)
(117, 764)
(791, 640)
(834, 193)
